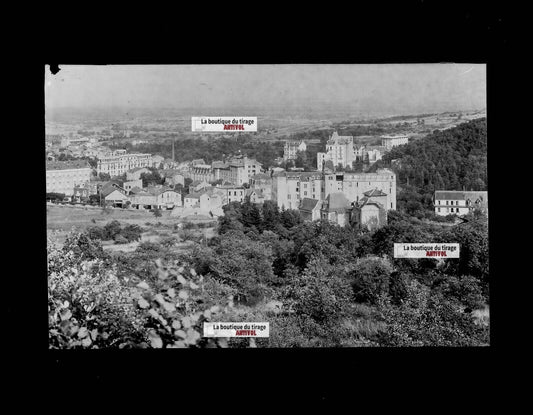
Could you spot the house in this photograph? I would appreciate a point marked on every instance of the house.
(291, 149)
(110, 186)
(135, 174)
(336, 208)
(155, 197)
(131, 184)
(191, 200)
(115, 198)
(206, 203)
(369, 212)
(254, 196)
(459, 202)
(173, 177)
(168, 199)
(198, 185)
(310, 209)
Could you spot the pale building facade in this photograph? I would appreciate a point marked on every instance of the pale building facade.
(289, 188)
(339, 150)
(390, 141)
(120, 162)
(64, 176)
(291, 149)
(459, 202)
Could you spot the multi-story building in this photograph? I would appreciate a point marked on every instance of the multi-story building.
(231, 193)
(201, 172)
(135, 174)
(371, 154)
(354, 185)
(289, 188)
(291, 149)
(129, 185)
(339, 150)
(262, 183)
(119, 162)
(390, 141)
(459, 203)
(237, 171)
(64, 176)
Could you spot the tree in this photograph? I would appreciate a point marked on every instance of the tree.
(301, 159)
(370, 279)
(112, 229)
(426, 319)
(104, 176)
(271, 215)
(157, 212)
(244, 264)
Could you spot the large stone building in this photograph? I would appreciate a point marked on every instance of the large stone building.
(119, 162)
(336, 208)
(450, 202)
(237, 171)
(262, 184)
(291, 149)
(339, 150)
(390, 141)
(369, 212)
(64, 176)
(290, 188)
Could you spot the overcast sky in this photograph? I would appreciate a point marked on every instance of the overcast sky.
(399, 88)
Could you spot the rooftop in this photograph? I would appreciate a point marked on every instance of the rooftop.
(308, 204)
(459, 195)
(375, 193)
(67, 165)
(337, 201)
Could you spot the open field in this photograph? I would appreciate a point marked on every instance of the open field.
(62, 219)
(65, 217)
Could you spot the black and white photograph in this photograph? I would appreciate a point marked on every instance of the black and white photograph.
(267, 205)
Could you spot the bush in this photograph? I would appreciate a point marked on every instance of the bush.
(426, 319)
(168, 241)
(88, 307)
(119, 239)
(132, 232)
(370, 278)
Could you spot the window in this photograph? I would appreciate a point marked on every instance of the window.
(446, 203)
(438, 209)
(289, 197)
(305, 193)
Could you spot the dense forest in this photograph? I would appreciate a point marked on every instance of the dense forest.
(452, 159)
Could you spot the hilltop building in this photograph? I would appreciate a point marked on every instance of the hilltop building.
(339, 150)
(390, 141)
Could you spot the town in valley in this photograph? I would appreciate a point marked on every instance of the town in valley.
(294, 224)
